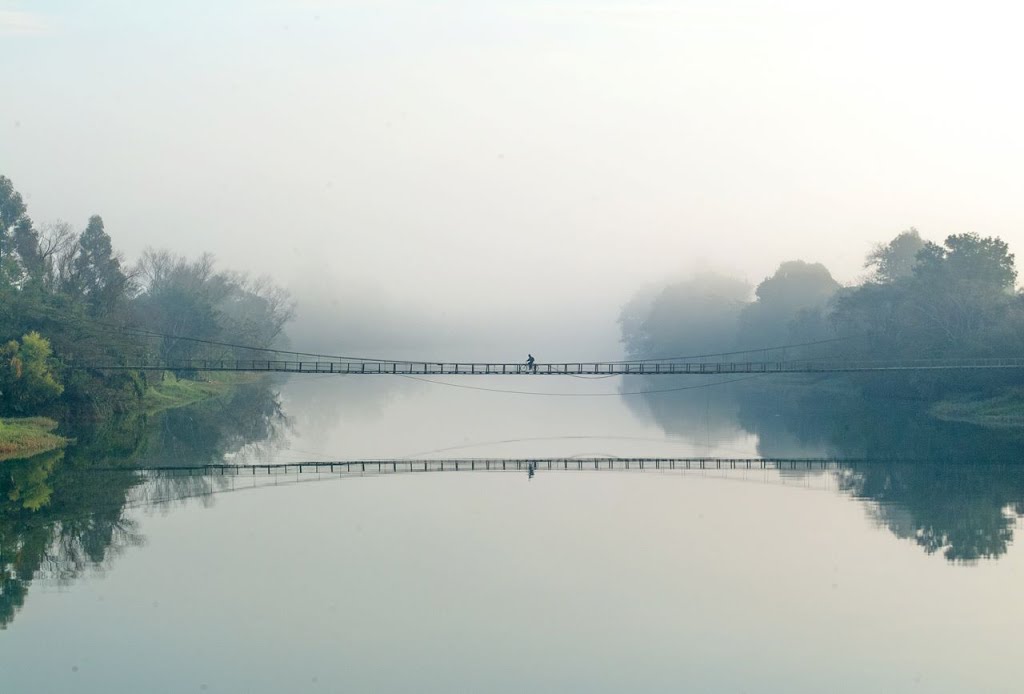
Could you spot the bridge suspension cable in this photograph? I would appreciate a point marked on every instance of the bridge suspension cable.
(127, 330)
(734, 352)
(346, 364)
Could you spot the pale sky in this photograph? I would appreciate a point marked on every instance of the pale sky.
(518, 156)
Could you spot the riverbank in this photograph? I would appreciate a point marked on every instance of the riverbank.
(28, 436)
(851, 405)
(1003, 411)
(173, 392)
(24, 437)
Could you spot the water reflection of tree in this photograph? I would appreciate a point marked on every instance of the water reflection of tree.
(250, 424)
(967, 513)
(60, 518)
(82, 524)
(701, 415)
(205, 433)
(963, 503)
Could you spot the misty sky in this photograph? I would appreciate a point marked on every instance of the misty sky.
(536, 158)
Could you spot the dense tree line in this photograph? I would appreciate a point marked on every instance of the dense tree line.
(953, 299)
(711, 313)
(920, 300)
(69, 296)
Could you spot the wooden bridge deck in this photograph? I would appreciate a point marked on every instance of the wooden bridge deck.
(625, 368)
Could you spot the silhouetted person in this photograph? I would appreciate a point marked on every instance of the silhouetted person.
(531, 363)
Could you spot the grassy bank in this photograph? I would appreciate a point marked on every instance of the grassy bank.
(173, 392)
(1003, 411)
(24, 437)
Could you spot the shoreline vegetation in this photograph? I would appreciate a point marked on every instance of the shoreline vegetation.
(174, 392)
(24, 437)
(920, 299)
(1002, 411)
(68, 297)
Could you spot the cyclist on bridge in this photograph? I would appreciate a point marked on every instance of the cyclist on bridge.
(531, 363)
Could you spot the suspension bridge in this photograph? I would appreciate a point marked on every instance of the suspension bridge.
(608, 368)
(604, 463)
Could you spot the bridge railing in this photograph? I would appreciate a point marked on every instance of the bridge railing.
(562, 368)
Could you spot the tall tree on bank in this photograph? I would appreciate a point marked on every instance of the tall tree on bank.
(75, 290)
(183, 298)
(96, 270)
(895, 260)
(789, 306)
(963, 259)
(958, 300)
(14, 223)
(695, 316)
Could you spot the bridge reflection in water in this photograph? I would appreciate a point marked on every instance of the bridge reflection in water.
(202, 481)
(966, 508)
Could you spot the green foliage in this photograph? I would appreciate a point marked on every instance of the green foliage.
(28, 486)
(193, 298)
(96, 270)
(967, 259)
(27, 380)
(797, 292)
(12, 206)
(14, 222)
(634, 316)
(689, 317)
(55, 513)
(97, 395)
(895, 260)
(948, 488)
(27, 436)
(75, 289)
(923, 300)
(958, 301)
(174, 392)
(712, 313)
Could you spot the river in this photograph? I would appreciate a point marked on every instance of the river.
(901, 575)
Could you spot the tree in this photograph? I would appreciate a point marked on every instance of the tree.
(57, 247)
(962, 291)
(958, 300)
(895, 260)
(14, 222)
(27, 381)
(792, 297)
(968, 259)
(191, 298)
(691, 317)
(255, 311)
(633, 315)
(25, 241)
(96, 270)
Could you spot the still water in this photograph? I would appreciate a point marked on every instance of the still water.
(903, 576)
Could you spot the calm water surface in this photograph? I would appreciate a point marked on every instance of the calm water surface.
(898, 577)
